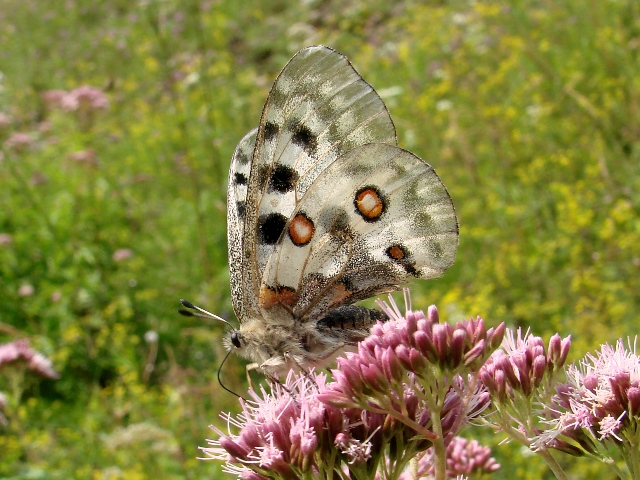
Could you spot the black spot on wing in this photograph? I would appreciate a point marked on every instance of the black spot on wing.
(302, 136)
(240, 178)
(243, 157)
(270, 130)
(283, 179)
(270, 227)
(241, 207)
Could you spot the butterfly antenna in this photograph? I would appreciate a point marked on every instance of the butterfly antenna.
(220, 379)
(200, 313)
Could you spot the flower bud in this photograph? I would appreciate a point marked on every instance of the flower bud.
(590, 382)
(475, 353)
(424, 342)
(432, 314)
(234, 449)
(538, 368)
(555, 349)
(391, 365)
(564, 352)
(440, 338)
(495, 336)
(419, 363)
(456, 348)
(633, 394)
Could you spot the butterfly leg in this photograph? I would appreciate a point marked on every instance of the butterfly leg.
(250, 368)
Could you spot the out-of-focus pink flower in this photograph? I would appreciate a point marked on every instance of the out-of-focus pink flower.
(84, 98)
(122, 254)
(26, 290)
(5, 239)
(53, 98)
(19, 141)
(5, 120)
(38, 178)
(87, 156)
(20, 352)
(465, 458)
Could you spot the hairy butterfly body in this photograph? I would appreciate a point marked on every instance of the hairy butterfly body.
(325, 210)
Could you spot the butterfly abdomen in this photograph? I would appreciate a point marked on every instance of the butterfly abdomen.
(350, 323)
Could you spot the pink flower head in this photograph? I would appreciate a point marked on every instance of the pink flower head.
(122, 254)
(5, 120)
(5, 239)
(19, 141)
(84, 98)
(465, 458)
(523, 364)
(20, 353)
(404, 361)
(289, 430)
(54, 98)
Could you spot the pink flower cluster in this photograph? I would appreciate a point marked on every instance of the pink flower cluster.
(600, 401)
(288, 431)
(19, 352)
(464, 458)
(82, 98)
(412, 385)
(410, 350)
(19, 141)
(523, 364)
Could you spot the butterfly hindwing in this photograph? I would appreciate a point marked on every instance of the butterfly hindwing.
(376, 217)
(318, 109)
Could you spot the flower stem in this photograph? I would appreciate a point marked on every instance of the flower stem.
(553, 464)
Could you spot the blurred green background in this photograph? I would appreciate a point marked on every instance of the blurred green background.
(528, 110)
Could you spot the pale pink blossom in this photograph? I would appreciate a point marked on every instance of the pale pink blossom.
(122, 254)
(26, 290)
(20, 352)
(19, 141)
(5, 239)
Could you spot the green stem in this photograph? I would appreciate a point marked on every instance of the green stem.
(633, 441)
(553, 464)
(440, 450)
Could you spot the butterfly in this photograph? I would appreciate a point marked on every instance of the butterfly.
(324, 210)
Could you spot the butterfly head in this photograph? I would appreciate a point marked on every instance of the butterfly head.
(233, 340)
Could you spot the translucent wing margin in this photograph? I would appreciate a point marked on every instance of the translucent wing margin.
(243, 297)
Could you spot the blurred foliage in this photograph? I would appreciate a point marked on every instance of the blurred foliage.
(529, 111)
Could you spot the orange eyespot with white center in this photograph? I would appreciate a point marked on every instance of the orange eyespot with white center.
(301, 230)
(369, 203)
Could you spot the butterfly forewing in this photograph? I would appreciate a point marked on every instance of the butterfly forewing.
(318, 109)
